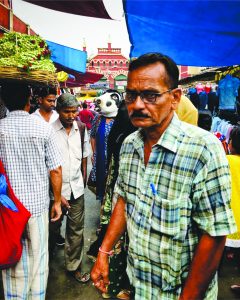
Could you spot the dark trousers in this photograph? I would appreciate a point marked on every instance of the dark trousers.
(74, 239)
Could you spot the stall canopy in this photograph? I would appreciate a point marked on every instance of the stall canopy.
(71, 58)
(78, 79)
(193, 33)
(73, 62)
(90, 8)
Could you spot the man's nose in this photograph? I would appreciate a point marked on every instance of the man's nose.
(138, 103)
(72, 115)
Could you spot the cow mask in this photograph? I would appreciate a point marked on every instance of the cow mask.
(107, 104)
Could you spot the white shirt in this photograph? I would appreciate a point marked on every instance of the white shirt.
(53, 118)
(71, 149)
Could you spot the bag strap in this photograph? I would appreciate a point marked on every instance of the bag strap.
(81, 127)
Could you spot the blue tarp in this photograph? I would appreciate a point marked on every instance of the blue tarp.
(193, 33)
(68, 57)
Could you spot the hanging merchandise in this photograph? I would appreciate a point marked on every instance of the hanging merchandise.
(208, 87)
(228, 91)
(200, 87)
(193, 96)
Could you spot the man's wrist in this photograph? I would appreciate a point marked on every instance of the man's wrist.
(109, 253)
(57, 201)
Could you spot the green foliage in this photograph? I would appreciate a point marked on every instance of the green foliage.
(29, 52)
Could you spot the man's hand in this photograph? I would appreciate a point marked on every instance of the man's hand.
(100, 271)
(56, 212)
(65, 203)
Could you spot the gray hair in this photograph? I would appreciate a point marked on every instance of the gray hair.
(67, 100)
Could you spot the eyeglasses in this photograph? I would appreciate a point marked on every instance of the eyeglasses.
(146, 97)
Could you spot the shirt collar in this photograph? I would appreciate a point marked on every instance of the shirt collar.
(168, 139)
(15, 113)
(59, 125)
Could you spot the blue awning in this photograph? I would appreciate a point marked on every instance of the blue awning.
(193, 33)
(68, 57)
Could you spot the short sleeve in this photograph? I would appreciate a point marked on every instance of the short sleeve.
(212, 193)
(52, 152)
(86, 145)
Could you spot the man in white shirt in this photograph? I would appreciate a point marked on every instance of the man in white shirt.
(74, 175)
(47, 102)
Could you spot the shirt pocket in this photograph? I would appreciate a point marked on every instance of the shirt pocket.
(168, 233)
(77, 153)
(165, 216)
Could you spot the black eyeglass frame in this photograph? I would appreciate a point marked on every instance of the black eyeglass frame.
(143, 95)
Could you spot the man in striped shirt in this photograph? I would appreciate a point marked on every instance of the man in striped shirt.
(173, 193)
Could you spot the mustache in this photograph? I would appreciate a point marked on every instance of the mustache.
(137, 114)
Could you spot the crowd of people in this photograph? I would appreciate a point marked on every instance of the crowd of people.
(163, 182)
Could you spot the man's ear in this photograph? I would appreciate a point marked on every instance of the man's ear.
(28, 105)
(177, 93)
(40, 99)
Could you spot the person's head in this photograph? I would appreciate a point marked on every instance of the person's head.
(84, 105)
(67, 107)
(152, 92)
(16, 95)
(234, 140)
(47, 98)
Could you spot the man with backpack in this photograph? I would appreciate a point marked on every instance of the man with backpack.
(73, 143)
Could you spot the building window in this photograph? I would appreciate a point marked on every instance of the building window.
(92, 63)
(115, 63)
(98, 63)
(104, 64)
(127, 64)
(110, 64)
(121, 63)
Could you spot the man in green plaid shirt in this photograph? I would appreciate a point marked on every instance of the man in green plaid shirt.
(173, 193)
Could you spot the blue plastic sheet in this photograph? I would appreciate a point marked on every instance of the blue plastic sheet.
(193, 33)
(68, 57)
(4, 199)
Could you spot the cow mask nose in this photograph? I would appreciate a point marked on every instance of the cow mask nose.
(109, 103)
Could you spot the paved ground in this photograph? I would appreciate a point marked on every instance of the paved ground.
(63, 287)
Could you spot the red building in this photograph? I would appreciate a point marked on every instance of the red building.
(10, 22)
(112, 64)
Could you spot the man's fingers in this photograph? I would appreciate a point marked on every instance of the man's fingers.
(55, 218)
(100, 285)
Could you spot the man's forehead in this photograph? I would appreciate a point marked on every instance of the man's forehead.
(69, 108)
(51, 96)
(146, 82)
(145, 74)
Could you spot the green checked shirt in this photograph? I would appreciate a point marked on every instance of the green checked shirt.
(184, 190)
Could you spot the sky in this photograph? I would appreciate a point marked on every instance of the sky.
(71, 30)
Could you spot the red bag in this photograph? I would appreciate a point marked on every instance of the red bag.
(13, 220)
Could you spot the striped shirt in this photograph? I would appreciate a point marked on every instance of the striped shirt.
(28, 151)
(183, 190)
